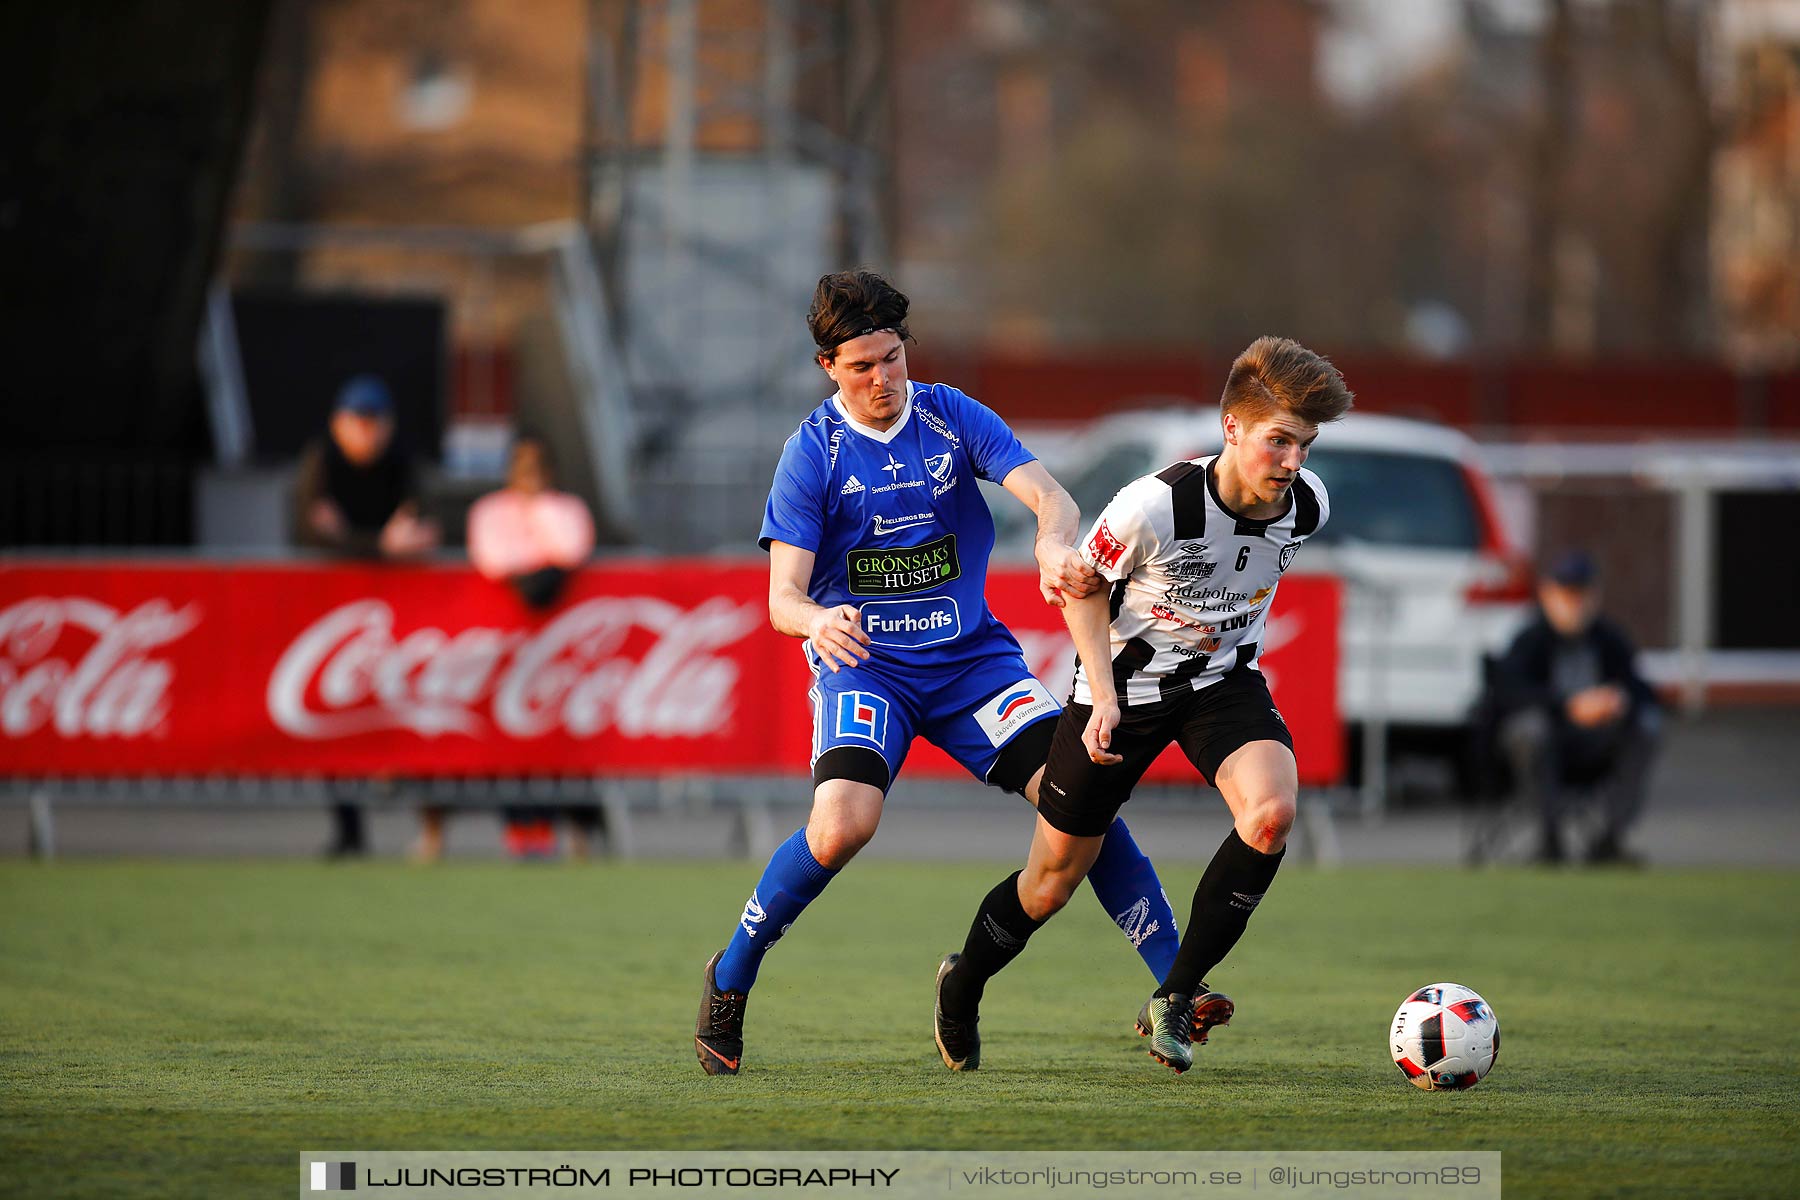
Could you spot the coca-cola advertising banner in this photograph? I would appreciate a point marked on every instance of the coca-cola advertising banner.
(647, 666)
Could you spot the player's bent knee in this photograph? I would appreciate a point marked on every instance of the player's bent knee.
(834, 845)
(836, 833)
(844, 817)
(1267, 822)
(1043, 896)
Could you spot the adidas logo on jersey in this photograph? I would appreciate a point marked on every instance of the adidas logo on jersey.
(852, 486)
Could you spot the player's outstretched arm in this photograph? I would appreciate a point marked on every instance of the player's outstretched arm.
(1089, 619)
(836, 633)
(1061, 571)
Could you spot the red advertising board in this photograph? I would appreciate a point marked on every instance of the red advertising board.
(648, 666)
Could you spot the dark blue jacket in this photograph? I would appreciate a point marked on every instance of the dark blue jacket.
(1524, 676)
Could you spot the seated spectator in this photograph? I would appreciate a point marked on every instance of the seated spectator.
(532, 537)
(527, 533)
(355, 494)
(1575, 711)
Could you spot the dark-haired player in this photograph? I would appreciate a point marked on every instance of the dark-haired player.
(1194, 554)
(878, 542)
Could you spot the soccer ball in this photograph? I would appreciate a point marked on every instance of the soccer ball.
(1445, 1038)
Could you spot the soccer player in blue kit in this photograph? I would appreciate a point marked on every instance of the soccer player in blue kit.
(878, 542)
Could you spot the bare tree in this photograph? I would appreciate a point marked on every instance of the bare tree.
(1547, 206)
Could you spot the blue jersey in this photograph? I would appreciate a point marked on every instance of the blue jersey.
(895, 521)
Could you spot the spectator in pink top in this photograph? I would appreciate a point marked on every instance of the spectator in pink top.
(527, 533)
(531, 536)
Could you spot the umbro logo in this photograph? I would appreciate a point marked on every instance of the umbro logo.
(1246, 901)
(852, 486)
(1001, 938)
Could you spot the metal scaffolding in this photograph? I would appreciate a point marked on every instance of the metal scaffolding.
(734, 152)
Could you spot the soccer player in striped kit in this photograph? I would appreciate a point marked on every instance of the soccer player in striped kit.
(878, 542)
(1194, 555)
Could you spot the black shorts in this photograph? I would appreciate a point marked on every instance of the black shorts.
(1081, 797)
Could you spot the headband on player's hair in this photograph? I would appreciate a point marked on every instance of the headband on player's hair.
(831, 347)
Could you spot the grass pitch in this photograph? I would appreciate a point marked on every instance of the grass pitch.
(189, 1028)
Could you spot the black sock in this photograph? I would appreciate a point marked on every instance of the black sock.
(1229, 892)
(999, 932)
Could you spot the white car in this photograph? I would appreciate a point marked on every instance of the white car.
(1431, 580)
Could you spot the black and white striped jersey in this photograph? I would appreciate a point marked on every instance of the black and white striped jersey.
(1192, 580)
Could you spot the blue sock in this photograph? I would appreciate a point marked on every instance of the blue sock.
(1132, 895)
(792, 880)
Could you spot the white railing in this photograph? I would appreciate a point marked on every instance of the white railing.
(1692, 473)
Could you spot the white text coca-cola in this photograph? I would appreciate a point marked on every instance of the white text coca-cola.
(349, 673)
(84, 668)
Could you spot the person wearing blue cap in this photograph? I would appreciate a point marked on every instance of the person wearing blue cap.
(355, 495)
(355, 491)
(1577, 711)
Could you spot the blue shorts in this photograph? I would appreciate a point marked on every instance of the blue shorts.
(970, 710)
